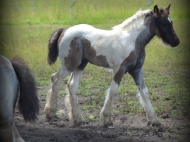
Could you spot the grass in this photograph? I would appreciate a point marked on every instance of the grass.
(58, 11)
(26, 29)
(84, 11)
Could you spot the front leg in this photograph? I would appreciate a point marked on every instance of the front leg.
(143, 96)
(110, 96)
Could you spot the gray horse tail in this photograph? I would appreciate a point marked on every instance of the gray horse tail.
(52, 46)
(28, 103)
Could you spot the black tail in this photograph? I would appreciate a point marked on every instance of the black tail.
(28, 101)
(52, 46)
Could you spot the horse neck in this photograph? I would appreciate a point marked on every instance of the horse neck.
(142, 30)
(131, 23)
(140, 27)
(147, 33)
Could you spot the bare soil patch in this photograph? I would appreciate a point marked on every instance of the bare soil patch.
(129, 127)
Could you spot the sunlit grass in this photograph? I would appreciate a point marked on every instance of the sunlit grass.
(84, 11)
(25, 32)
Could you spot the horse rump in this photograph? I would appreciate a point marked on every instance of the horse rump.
(28, 103)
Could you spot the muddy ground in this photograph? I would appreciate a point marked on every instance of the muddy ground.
(128, 128)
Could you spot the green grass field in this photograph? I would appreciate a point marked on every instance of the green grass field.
(26, 25)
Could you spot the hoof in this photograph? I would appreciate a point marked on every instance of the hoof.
(157, 124)
(50, 113)
(48, 119)
(109, 125)
(148, 123)
(82, 124)
(50, 116)
(52, 120)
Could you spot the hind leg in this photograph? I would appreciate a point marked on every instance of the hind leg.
(54, 76)
(8, 131)
(71, 101)
(51, 103)
(16, 135)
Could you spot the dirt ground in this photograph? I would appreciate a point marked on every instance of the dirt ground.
(128, 128)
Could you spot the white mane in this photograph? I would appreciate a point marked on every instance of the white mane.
(128, 21)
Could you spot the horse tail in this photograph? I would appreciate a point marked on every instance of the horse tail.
(28, 103)
(52, 46)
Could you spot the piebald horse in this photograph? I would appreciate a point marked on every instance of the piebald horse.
(16, 77)
(121, 49)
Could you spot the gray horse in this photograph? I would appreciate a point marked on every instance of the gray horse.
(16, 77)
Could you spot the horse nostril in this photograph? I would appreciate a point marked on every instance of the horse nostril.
(177, 41)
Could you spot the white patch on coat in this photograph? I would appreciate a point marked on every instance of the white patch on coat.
(143, 96)
(145, 101)
(109, 99)
(169, 19)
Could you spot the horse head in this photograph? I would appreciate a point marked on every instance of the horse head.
(164, 26)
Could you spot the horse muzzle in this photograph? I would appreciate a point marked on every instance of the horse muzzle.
(176, 42)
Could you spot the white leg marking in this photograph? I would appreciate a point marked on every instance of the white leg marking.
(145, 101)
(71, 101)
(107, 108)
(16, 135)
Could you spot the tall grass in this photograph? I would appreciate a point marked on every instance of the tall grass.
(84, 11)
(25, 29)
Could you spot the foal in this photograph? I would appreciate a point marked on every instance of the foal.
(121, 49)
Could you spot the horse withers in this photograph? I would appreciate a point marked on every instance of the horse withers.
(121, 49)
(16, 78)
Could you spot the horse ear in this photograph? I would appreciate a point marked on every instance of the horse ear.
(168, 8)
(156, 10)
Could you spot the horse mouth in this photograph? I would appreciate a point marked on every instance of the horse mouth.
(175, 43)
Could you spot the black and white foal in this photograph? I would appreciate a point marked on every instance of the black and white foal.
(121, 49)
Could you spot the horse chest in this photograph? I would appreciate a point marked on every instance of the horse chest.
(134, 60)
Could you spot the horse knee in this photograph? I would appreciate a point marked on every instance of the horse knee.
(53, 77)
(72, 88)
(113, 93)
